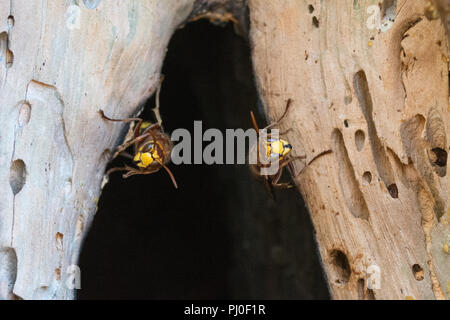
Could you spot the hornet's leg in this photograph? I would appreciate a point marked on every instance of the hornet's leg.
(274, 180)
(288, 104)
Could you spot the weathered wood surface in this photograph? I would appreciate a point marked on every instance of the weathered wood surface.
(60, 61)
(378, 99)
(370, 112)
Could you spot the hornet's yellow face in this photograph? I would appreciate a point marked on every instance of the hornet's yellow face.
(145, 158)
(149, 153)
(279, 148)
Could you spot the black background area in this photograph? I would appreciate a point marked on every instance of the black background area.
(220, 235)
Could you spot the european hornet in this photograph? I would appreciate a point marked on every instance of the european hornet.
(274, 149)
(151, 146)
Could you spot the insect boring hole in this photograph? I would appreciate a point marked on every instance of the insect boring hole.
(220, 234)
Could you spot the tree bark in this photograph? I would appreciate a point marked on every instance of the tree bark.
(61, 61)
(370, 112)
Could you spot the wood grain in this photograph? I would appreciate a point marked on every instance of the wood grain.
(390, 85)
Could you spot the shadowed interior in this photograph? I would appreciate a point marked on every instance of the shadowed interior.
(220, 235)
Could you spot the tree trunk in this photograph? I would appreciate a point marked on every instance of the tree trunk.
(370, 113)
(60, 62)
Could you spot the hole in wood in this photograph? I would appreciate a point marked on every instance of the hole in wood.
(418, 272)
(393, 191)
(315, 22)
(384, 168)
(6, 55)
(58, 274)
(311, 8)
(440, 158)
(350, 187)
(364, 294)
(10, 22)
(17, 176)
(341, 266)
(412, 139)
(91, 4)
(360, 138)
(388, 9)
(436, 136)
(367, 177)
(388, 13)
(68, 187)
(346, 123)
(9, 58)
(8, 272)
(59, 241)
(79, 228)
(24, 113)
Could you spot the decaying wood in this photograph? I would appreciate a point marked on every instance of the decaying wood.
(439, 8)
(220, 12)
(378, 99)
(370, 111)
(60, 62)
